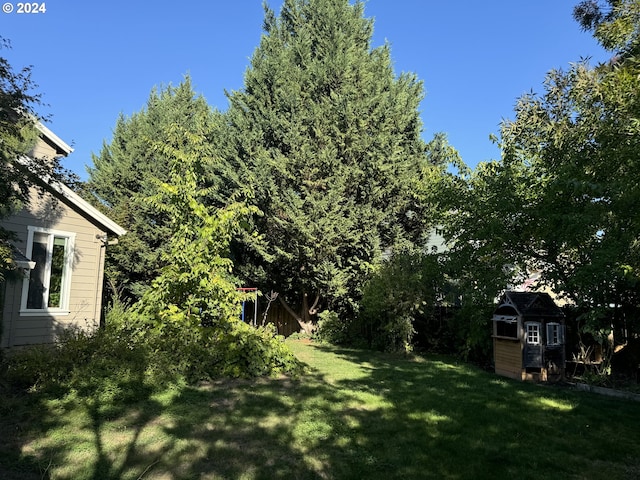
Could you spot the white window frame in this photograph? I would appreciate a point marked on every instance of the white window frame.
(531, 328)
(65, 288)
(554, 329)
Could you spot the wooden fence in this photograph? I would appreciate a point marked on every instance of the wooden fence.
(284, 322)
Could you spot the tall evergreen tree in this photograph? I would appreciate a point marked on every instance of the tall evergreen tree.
(129, 169)
(326, 142)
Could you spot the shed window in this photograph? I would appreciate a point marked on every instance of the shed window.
(507, 328)
(46, 287)
(554, 334)
(533, 333)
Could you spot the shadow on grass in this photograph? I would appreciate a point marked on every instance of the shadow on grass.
(447, 420)
(357, 415)
(16, 424)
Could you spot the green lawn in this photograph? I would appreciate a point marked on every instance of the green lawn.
(356, 415)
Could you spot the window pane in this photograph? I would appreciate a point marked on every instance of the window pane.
(507, 329)
(35, 297)
(57, 271)
(533, 334)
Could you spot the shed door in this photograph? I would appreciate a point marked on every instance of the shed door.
(532, 344)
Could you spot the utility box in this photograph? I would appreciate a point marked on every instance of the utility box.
(529, 337)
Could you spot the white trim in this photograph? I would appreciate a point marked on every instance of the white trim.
(537, 330)
(65, 288)
(87, 208)
(24, 264)
(58, 142)
(48, 312)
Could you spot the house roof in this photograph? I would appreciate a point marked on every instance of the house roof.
(61, 147)
(86, 208)
(531, 304)
(72, 197)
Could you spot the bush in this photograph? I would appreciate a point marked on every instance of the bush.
(331, 329)
(127, 360)
(80, 361)
(250, 352)
(396, 295)
(472, 328)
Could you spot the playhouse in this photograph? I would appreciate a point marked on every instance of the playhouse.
(528, 337)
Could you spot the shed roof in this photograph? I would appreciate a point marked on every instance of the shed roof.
(532, 303)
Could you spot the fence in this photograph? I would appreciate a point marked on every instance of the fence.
(278, 315)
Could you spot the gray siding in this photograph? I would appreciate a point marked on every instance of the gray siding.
(47, 211)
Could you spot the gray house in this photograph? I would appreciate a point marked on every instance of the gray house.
(60, 246)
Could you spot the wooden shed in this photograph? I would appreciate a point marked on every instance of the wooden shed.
(529, 337)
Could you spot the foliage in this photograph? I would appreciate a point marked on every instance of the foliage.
(130, 169)
(125, 362)
(560, 202)
(614, 23)
(327, 141)
(193, 304)
(78, 361)
(332, 329)
(406, 286)
(194, 285)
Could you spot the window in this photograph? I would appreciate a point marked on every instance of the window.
(506, 327)
(554, 334)
(46, 287)
(533, 333)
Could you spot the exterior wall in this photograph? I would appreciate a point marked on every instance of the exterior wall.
(43, 149)
(85, 297)
(508, 357)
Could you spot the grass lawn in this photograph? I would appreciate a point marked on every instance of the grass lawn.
(356, 415)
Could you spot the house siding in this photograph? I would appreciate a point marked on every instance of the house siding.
(47, 211)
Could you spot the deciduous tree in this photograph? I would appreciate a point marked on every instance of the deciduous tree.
(128, 170)
(562, 199)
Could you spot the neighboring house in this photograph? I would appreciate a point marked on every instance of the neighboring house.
(60, 241)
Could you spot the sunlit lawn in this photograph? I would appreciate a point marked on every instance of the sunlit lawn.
(355, 415)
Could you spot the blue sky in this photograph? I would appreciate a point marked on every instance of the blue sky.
(94, 60)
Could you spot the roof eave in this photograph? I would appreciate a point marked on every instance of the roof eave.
(60, 144)
(87, 208)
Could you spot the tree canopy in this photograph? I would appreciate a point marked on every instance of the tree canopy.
(325, 140)
(129, 169)
(561, 201)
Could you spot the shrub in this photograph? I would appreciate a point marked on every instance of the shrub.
(331, 328)
(399, 292)
(249, 351)
(123, 363)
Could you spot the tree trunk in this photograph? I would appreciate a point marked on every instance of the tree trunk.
(305, 323)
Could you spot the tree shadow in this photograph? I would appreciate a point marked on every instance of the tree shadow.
(462, 422)
(386, 417)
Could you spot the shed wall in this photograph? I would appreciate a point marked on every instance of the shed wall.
(508, 357)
